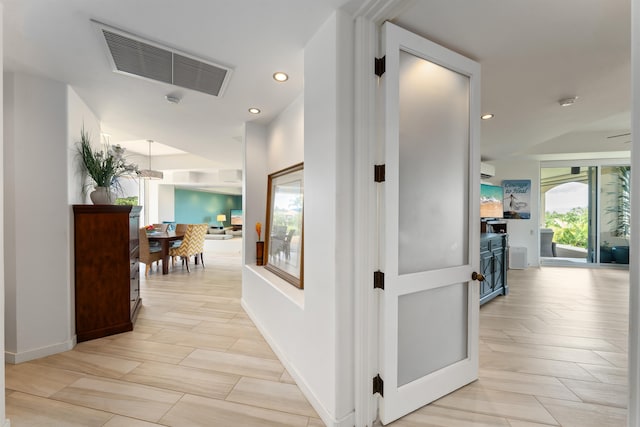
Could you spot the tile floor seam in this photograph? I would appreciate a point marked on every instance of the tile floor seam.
(549, 411)
(454, 408)
(85, 406)
(110, 418)
(169, 410)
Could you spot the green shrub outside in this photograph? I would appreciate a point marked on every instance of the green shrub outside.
(127, 201)
(570, 228)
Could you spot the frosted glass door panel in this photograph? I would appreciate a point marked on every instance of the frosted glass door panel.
(433, 166)
(432, 331)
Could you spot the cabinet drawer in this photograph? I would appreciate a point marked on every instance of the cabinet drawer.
(134, 269)
(134, 287)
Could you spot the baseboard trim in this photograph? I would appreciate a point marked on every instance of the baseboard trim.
(327, 418)
(25, 356)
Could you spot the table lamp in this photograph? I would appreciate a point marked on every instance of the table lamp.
(221, 219)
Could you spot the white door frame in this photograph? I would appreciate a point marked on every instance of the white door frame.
(633, 414)
(367, 31)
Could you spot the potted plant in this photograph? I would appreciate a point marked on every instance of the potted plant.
(104, 167)
(622, 208)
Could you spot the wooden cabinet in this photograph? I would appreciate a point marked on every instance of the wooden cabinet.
(493, 266)
(107, 282)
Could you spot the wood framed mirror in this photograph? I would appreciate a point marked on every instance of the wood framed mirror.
(284, 234)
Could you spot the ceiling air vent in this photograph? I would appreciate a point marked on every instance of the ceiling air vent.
(133, 55)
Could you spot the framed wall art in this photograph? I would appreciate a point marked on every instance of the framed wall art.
(517, 198)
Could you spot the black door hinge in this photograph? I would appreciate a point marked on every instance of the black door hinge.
(379, 173)
(378, 385)
(378, 280)
(380, 66)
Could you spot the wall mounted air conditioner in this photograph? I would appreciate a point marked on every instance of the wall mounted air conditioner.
(487, 170)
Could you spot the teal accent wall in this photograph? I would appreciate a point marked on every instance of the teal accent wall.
(196, 207)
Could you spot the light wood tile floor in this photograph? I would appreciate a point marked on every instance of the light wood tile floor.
(194, 359)
(553, 352)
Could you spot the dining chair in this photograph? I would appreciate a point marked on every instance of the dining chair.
(179, 229)
(148, 254)
(159, 228)
(277, 242)
(192, 244)
(286, 247)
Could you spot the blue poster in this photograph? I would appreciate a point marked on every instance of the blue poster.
(516, 203)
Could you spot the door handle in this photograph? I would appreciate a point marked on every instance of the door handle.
(477, 276)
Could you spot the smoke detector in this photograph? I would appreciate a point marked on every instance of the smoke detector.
(172, 99)
(565, 102)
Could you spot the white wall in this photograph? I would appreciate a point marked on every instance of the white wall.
(286, 137)
(311, 330)
(78, 116)
(36, 149)
(2, 281)
(42, 121)
(523, 232)
(151, 201)
(254, 188)
(166, 203)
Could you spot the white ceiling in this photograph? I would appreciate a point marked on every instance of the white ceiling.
(532, 52)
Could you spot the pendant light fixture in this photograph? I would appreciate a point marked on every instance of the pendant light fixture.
(150, 173)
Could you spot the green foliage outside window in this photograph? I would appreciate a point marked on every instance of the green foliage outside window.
(570, 228)
(127, 201)
(286, 217)
(622, 208)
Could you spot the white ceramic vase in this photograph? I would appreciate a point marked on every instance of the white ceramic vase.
(103, 196)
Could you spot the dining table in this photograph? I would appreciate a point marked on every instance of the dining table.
(165, 238)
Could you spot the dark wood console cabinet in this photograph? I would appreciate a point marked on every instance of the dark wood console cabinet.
(493, 266)
(107, 281)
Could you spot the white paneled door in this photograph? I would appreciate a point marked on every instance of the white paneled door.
(430, 222)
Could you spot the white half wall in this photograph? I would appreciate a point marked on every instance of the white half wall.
(523, 232)
(311, 330)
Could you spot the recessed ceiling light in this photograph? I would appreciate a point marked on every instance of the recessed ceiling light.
(280, 76)
(487, 116)
(567, 101)
(254, 110)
